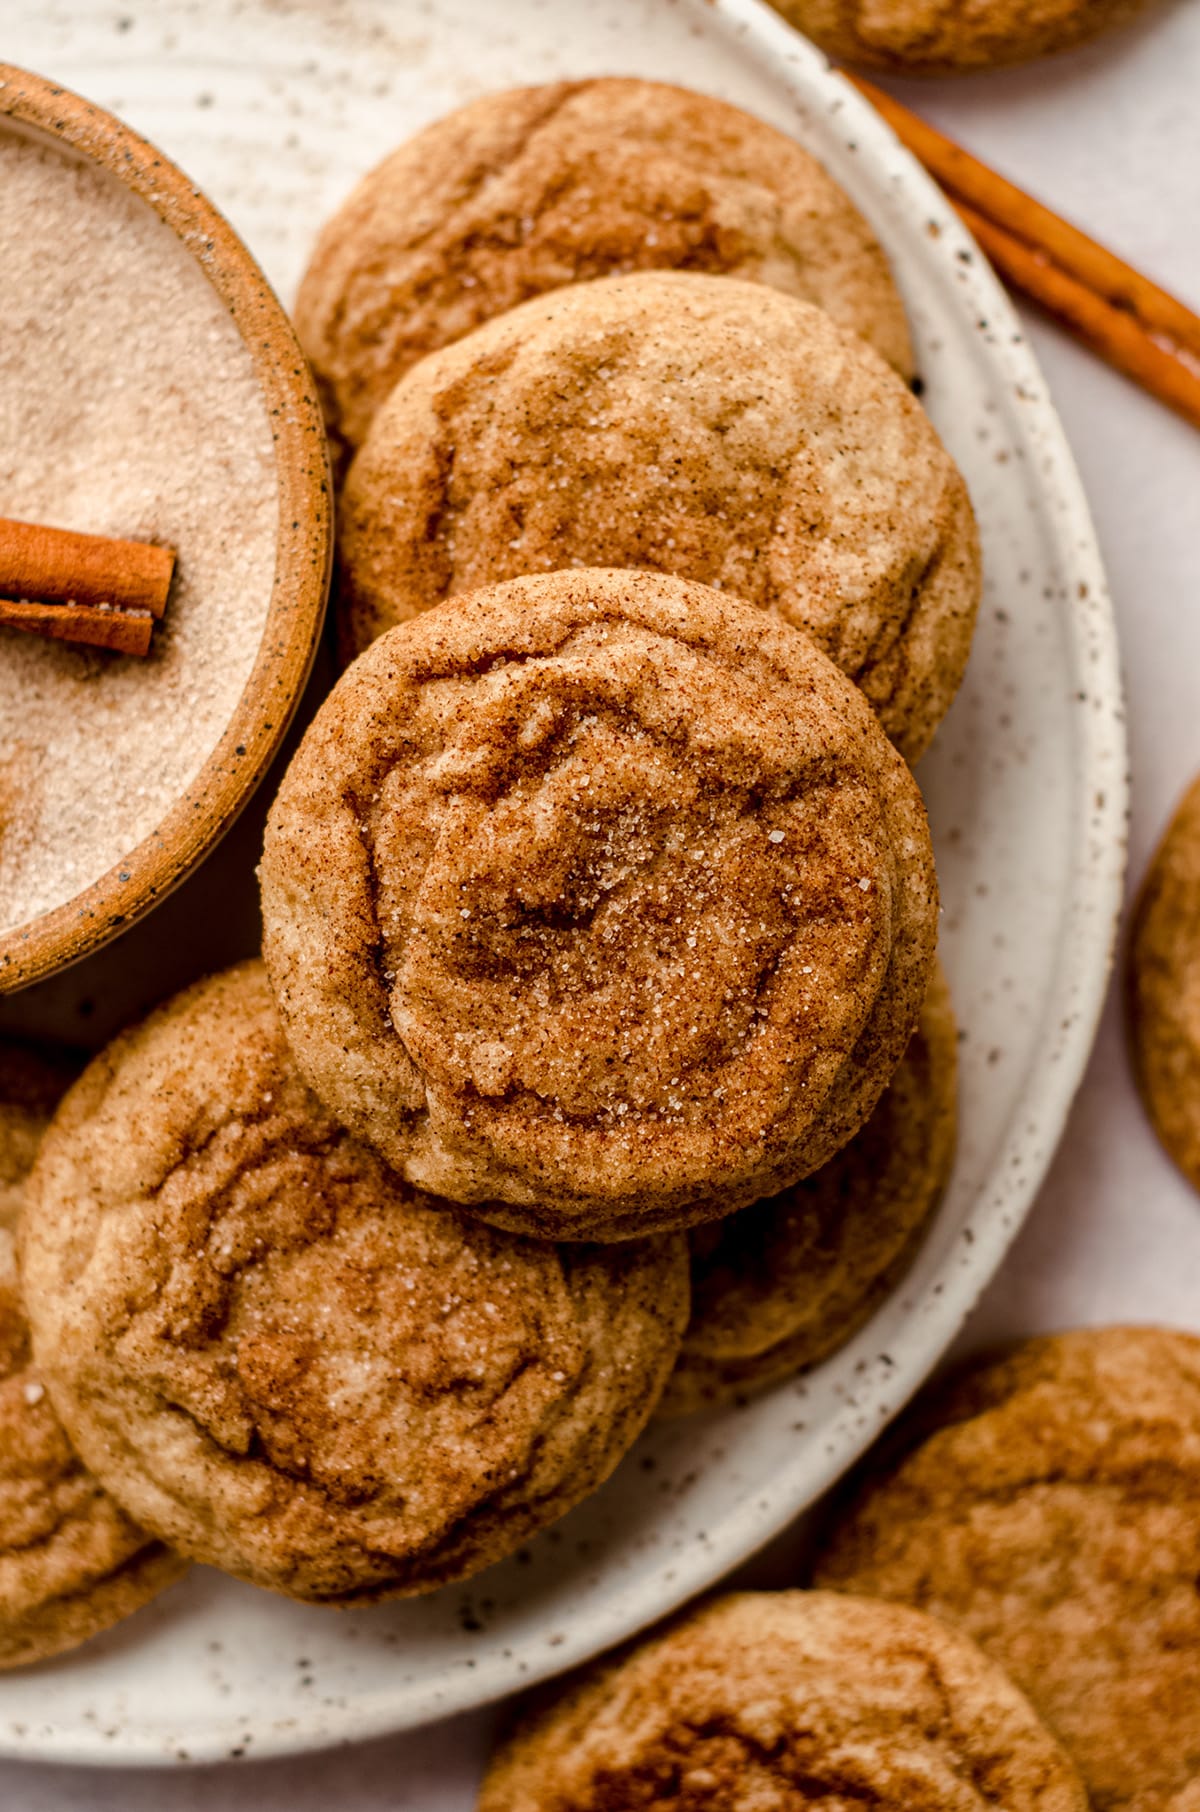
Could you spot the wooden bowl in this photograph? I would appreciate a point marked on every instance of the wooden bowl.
(303, 545)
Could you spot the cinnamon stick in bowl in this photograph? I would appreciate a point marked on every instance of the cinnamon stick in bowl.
(82, 588)
(60, 566)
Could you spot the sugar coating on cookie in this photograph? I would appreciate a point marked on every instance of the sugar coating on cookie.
(598, 901)
(1163, 988)
(289, 1363)
(522, 192)
(71, 1562)
(932, 36)
(787, 1281)
(693, 425)
(1048, 1503)
(766, 1700)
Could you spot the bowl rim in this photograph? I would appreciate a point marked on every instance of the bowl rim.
(211, 801)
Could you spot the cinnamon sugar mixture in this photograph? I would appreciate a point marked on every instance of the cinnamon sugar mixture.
(128, 406)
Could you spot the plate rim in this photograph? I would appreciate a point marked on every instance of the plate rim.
(1087, 933)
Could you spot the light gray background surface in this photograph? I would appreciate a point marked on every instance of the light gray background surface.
(1110, 137)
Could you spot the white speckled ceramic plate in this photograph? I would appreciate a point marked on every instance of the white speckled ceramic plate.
(275, 106)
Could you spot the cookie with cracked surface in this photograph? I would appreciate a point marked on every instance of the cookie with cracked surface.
(768, 1701)
(1048, 1503)
(522, 192)
(693, 425)
(71, 1563)
(599, 901)
(786, 1282)
(933, 37)
(289, 1363)
(1163, 988)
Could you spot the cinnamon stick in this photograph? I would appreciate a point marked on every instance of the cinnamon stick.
(58, 565)
(1001, 201)
(1116, 335)
(123, 631)
(1141, 329)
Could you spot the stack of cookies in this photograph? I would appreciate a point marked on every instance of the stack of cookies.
(598, 1062)
(618, 889)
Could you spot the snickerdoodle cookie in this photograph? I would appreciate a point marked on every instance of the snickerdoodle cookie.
(774, 1701)
(1050, 1507)
(1163, 988)
(283, 1359)
(938, 36)
(598, 900)
(521, 192)
(71, 1563)
(692, 425)
(786, 1282)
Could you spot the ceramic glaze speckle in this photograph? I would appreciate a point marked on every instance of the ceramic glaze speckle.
(1030, 873)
